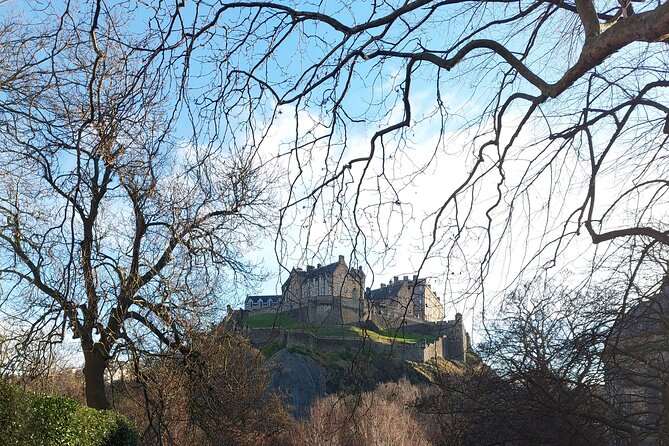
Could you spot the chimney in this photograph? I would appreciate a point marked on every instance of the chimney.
(383, 285)
(395, 279)
(310, 268)
(341, 259)
(415, 277)
(406, 278)
(319, 265)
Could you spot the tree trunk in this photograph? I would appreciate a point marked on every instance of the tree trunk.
(95, 362)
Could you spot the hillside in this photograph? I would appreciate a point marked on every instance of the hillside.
(305, 375)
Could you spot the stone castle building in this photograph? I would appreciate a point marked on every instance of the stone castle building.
(336, 294)
(334, 280)
(413, 295)
(636, 358)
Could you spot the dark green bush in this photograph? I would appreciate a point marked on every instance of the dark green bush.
(35, 419)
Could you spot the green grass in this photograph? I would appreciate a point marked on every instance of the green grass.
(407, 336)
(270, 349)
(269, 320)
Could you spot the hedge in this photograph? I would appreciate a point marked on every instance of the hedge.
(36, 419)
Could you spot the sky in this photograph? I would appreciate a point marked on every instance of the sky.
(412, 174)
(399, 225)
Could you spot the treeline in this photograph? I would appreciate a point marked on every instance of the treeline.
(221, 397)
(548, 377)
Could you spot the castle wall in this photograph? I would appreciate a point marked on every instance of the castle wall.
(388, 318)
(261, 337)
(434, 350)
(334, 310)
(336, 280)
(452, 342)
(414, 298)
(345, 284)
(292, 293)
(456, 340)
(433, 310)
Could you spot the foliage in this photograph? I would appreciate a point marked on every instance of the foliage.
(549, 328)
(114, 229)
(35, 419)
(548, 380)
(384, 416)
(480, 407)
(216, 395)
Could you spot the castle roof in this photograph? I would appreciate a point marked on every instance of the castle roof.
(393, 288)
(324, 270)
(315, 272)
(264, 298)
(386, 292)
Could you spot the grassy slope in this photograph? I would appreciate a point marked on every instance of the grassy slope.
(269, 320)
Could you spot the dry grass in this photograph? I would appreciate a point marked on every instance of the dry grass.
(382, 417)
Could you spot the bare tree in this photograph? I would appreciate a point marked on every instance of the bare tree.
(548, 117)
(218, 394)
(114, 231)
(565, 368)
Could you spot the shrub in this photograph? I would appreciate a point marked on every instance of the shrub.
(28, 419)
(217, 395)
(382, 417)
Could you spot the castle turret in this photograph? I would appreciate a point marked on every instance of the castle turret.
(456, 341)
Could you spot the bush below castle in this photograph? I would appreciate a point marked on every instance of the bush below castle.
(36, 419)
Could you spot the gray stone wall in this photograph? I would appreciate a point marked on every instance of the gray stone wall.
(434, 350)
(323, 281)
(261, 337)
(452, 334)
(452, 342)
(334, 310)
(433, 310)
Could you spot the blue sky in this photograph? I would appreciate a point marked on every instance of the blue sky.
(422, 164)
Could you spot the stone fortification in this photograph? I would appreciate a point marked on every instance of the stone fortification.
(298, 339)
(333, 294)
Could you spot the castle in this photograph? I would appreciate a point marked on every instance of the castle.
(636, 372)
(336, 294)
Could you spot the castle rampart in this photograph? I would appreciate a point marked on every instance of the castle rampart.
(332, 294)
